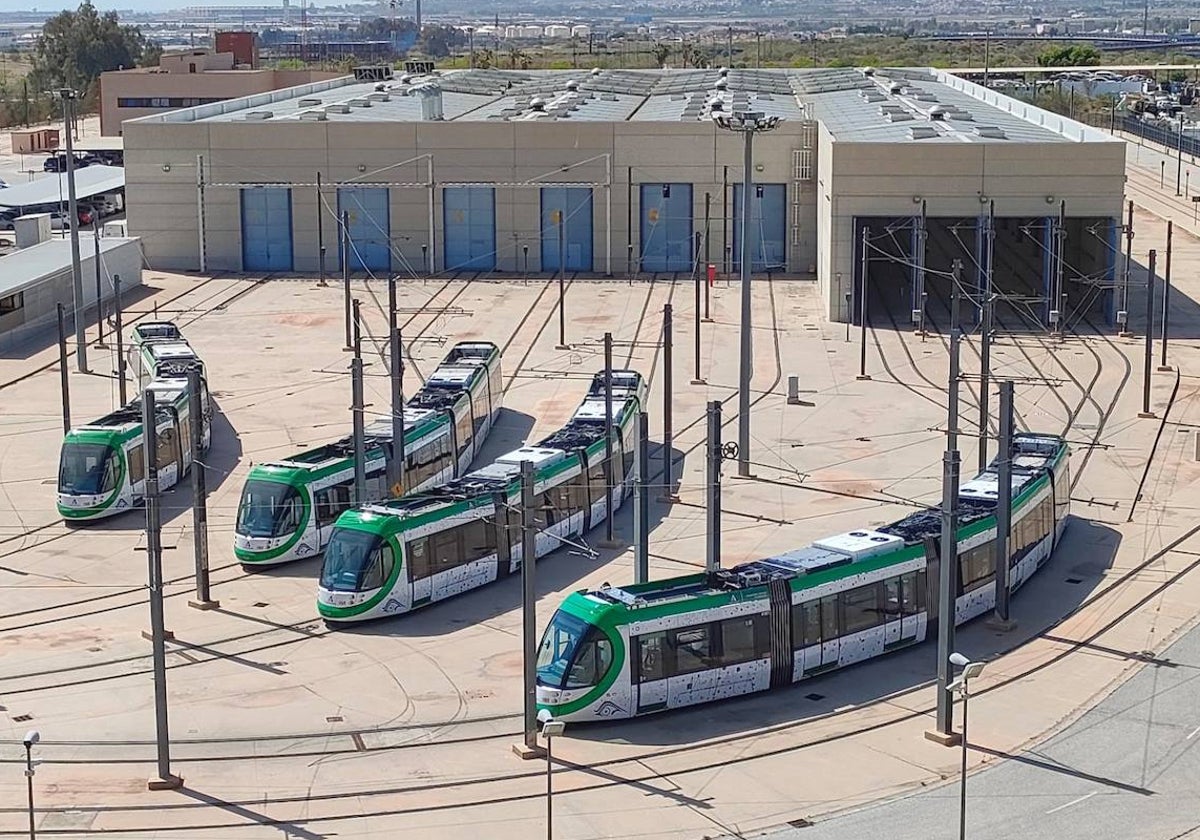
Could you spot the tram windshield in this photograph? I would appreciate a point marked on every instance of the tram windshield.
(87, 469)
(355, 561)
(268, 509)
(573, 653)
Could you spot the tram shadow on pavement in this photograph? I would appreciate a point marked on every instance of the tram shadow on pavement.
(222, 458)
(1054, 592)
(558, 571)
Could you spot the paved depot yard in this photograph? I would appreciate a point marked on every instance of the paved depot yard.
(404, 727)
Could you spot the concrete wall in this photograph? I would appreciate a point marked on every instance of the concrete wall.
(122, 257)
(162, 205)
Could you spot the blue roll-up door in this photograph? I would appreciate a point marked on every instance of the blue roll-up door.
(666, 227)
(266, 229)
(575, 204)
(469, 221)
(768, 227)
(366, 210)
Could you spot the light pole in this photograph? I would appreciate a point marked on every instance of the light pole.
(550, 728)
(748, 123)
(31, 738)
(68, 97)
(970, 670)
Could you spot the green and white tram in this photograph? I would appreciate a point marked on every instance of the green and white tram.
(148, 331)
(620, 652)
(392, 558)
(161, 358)
(289, 507)
(102, 465)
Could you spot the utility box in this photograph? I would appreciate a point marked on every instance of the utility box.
(34, 140)
(32, 229)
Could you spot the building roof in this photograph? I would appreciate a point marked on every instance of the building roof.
(27, 267)
(89, 181)
(854, 104)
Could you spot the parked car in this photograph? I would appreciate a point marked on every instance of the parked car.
(58, 163)
(86, 214)
(106, 205)
(8, 219)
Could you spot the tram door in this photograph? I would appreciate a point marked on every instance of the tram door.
(830, 644)
(893, 613)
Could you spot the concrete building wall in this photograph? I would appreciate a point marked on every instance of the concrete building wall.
(162, 196)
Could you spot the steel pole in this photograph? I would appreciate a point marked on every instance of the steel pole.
(1166, 301)
(641, 502)
(198, 420)
(549, 787)
(320, 232)
(99, 289)
(154, 558)
(201, 215)
(562, 288)
(528, 604)
(712, 554)
(358, 409)
(746, 359)
(63, 373)
(696, 378)
(397, 466)
(955, 348)
(862, 304)
(120, 339)
(609, 472)
(707, 229)
(1003, 500)
(668, 404)
(947, 585)
(29, 788)
(962, 790)
(985, 350)
(68, 99)
(1128, 268)
(345, 237)
(1179, 157)
(1146, 412)
(1060, 239)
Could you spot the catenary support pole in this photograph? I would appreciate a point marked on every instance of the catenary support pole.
(922, 242)
(121, 394)
(641, 502)
(746, 355)
(198, 423)
(529, 606)
(396, 463)
(707, 252)
(712, 553)
(609, 471)
(1146, 412)
(1126, 273)
(947, 583)
(985, 349)
(668, 404)
(1003, 500)
(1060, 244)
(955, 350)
(99, 288)
(201, 215)
(562, 288)
(1166, 301)
(697, 379)
(320, 232)
(63, 373)
(862, 304)
(165, 780)
(358, 410)
(345, 238)
(68, 101)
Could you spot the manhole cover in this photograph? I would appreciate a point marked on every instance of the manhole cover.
(76, 820)
(801, 823)
(814, 697)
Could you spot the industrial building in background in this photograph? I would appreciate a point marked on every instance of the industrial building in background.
(193, 77)
(476, 172)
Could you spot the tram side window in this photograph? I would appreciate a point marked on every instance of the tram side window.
(479, 406)
(744, 639)
(591, 662)
(465, 434)
(912, 587)
(137, 464)
(417, 552)
(806, 619)
(446, 550)
(596, 483)
(479, 540)
(976, 567)
(650, 657)
(168, 448)
(860, 609)
(380, 569)
(692, 647)
(330, 502)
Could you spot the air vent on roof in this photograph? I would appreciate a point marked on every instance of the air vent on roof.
(721, 83)
(716, 104)
(379, 97)
(259, 115)
(308, 103)
(723, 72)
(572, 85)
(898, 117)
(595, 71)
(922, 132)
(406, 80)
(537, 104)
(873, 96)
(337, 108)
(937, 112)
(868, 71)
(991, 131)
(895, 87)
(608, 97)
(360, 102)
(381, 86)
(964, 116)
(314, 116)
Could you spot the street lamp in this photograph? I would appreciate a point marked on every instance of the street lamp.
(68, 97)
(550, 728)
(31, 738)
(970, 670)
(747, 123)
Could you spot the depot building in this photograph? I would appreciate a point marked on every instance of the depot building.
(915, 174)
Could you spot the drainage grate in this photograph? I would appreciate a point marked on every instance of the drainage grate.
(334, 719)
(1074, 580)
(23, 718)
(261, 604)
(814, 697)
(801, 823)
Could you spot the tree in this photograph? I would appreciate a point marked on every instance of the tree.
(438, 41)
(76, 47)
(1070, 56)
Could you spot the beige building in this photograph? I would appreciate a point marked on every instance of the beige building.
(629, 173)
(186, 79)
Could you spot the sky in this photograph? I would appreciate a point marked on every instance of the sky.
(134, 5)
